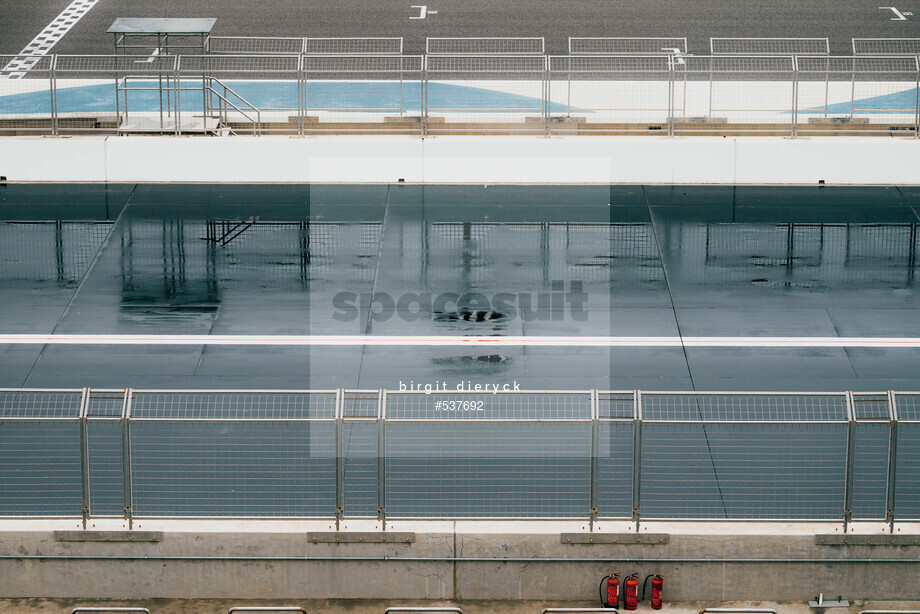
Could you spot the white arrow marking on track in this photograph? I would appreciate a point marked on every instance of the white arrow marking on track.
(899, 16)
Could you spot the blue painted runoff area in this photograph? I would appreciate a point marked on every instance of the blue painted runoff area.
(266, 95)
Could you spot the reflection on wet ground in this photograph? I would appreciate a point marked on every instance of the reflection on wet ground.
(459, 260)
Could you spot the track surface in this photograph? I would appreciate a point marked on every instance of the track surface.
(651, 261)
(838, 20)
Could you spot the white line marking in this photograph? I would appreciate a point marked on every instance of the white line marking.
(676, 52)
(413, 341)
(151, 58)
(422, 10)
(46, 39)
(899, 16)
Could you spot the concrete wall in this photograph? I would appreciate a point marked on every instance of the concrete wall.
(699, 564)
(500, 159)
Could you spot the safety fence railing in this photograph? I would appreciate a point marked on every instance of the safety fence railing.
(367, 86)
(411, 454)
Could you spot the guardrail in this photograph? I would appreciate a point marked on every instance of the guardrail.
(403, 610)
(629, 455)
(468, 87)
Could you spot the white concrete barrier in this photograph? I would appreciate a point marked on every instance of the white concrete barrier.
(459, 159)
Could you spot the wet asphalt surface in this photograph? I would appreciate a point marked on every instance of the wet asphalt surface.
(395, 260)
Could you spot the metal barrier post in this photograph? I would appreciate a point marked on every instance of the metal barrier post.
(84, 457)
(917, 102)
(424, 101)
(546, 95)
(126, 457)
(174, 91)
(381, 460)
(671, 95)
(851, 460)
(795, 111)
(53, 92)
(592, 514)
(301, 97)
(339, 462)
(892, 461)
(637, 458)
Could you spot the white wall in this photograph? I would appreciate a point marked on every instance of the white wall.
(459, 159)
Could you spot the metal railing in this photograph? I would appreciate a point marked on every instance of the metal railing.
(467, 88)
(629, 455)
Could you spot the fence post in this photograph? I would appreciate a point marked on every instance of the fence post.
(424, 101)
(52, 83)
(795, 109)
(637, 457)
(339, 462)
(917, 102)
(592, 513)
(892, 460)
(547, 83)
(851, 460)
(671, 74)
(301, 96)
(175, 94)
(84, 458)
(381, 459)
(128, 495)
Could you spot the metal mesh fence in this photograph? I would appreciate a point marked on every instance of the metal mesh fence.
(615, 468)
(907, 460)
(626, 45)
(599, 94)
(247, 94)
(242, 469)
(223, 406)
(858, 94)
(35, 252)
(886, 46)
(40, 470)
(359, 46)
(487, 406)
(361, 451)
(485, 94)
(614, 85)
(113, 94)
(26, 96)
(741, 407)
(743, 471)
(466, 469)
(257, 45)
(749, 94)
(484, 46)
(742, 456)
(768, 46)
(363, 93)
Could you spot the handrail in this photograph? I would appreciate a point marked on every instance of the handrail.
(109, 609)
(456, 610)
(266, 608)
(257, 121)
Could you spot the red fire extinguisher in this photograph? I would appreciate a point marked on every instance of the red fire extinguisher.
(631, 591)
(657, 586)
(612, 584)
